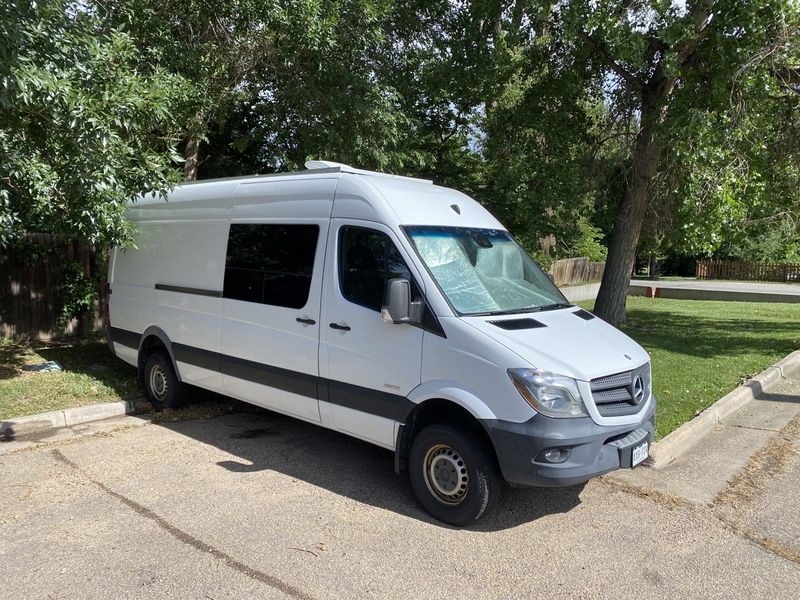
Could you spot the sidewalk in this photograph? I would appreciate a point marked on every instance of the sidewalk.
(746, 291)
(747, 470)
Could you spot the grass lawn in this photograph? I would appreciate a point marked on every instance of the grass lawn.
(91, 374)
(702, 350)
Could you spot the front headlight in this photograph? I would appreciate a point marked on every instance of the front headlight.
(550, 394)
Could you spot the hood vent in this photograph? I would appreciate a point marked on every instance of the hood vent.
(513, 324)
(584, 314)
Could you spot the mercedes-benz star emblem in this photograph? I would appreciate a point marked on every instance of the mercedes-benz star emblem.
(638, 390)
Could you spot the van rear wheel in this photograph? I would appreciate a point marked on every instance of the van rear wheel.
(453, 474)
(161, 385)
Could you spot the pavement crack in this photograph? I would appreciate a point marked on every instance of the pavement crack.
(189, 539)
(770, 429)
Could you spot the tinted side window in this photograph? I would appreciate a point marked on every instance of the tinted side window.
(270, 264)
(367, 260)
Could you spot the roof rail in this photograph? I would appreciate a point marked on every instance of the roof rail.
(313, 165)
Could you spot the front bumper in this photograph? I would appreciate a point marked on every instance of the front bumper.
(519, 448)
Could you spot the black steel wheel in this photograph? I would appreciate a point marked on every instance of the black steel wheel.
(161, 385)
(453, 474)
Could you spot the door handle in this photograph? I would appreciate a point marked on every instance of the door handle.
(306, 321)
(340, 327)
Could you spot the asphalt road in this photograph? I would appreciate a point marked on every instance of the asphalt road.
(255, 505)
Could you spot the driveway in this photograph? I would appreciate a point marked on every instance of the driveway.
(256, 505)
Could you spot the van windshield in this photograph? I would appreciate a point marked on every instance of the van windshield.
(484, 271)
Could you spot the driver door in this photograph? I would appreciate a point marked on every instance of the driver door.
(370, 365)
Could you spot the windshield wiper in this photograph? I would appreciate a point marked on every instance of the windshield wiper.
(555, 306)
(531, 309)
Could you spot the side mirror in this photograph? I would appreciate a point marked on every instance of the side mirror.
(398, 307)
(551, 277)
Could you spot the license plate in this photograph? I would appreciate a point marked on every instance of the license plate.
(639, 453)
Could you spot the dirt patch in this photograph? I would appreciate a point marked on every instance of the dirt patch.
(771, 461)
(765, 542)
(667, 500)
(736, 505)
(205, 409)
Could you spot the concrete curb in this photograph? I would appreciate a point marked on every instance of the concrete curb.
(687, 435)
(576, 293)
(653, 290)
(12, 428)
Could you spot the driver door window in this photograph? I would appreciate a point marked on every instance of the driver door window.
(368, 259)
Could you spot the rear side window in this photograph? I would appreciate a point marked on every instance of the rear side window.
(367, 260)
(270, 264)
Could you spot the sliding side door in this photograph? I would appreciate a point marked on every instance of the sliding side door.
(271, 296)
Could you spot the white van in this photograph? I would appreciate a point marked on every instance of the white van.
(387, 308)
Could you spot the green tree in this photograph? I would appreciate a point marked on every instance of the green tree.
(325, 93)
(214, 47)
(745, 179)
(83, 128)
(276, 83)
(671, 70)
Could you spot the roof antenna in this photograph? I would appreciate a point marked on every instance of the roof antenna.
(455, 208)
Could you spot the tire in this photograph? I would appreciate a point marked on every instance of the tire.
(453, 474)
(161, 385)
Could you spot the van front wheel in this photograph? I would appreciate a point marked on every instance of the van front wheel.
(161, 385)
(453, 475)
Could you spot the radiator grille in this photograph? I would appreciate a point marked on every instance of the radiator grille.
(622, 394)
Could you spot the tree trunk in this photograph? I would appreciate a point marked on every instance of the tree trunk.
(192, 157)
(610, 304)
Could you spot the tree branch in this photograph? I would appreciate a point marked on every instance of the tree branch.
(701, 13)
(789, 77)
(618, 134)
(612, 64)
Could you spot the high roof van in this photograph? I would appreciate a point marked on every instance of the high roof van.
(386, 308)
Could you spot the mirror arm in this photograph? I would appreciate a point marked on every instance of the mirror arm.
(416, 310)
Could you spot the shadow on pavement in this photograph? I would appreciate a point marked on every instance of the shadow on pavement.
(759, 394)
(778, 397)
(262, 440)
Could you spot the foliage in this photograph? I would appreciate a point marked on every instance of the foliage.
(282, 82)
(79, 291)
(588, 244)
(326, 97)
(732, 153)
(772, 241)
(700, 92)
(213, 47)
(84, 127)
(534, 108)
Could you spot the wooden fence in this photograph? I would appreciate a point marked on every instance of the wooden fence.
(576, 271)
(747, 271)
(31, 296)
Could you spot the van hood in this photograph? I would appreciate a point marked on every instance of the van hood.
(566, 343)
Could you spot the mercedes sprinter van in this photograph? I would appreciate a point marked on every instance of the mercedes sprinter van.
(389, 309)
